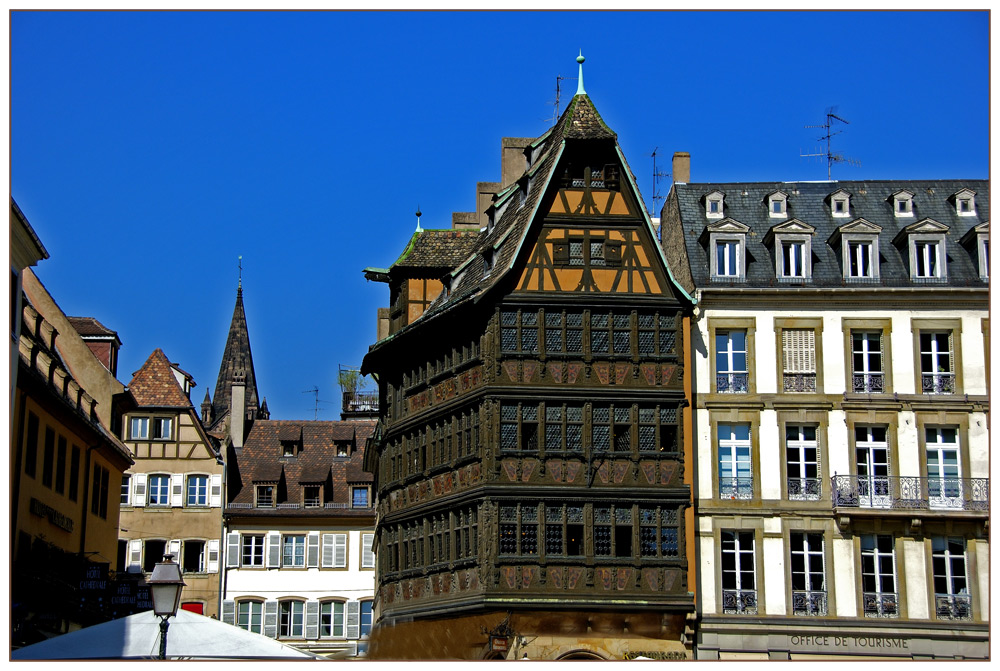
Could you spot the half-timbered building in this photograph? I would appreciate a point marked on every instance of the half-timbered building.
(529, 462)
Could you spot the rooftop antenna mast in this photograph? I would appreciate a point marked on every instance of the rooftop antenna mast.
(315, 392)
(831, 158)
(657, 175)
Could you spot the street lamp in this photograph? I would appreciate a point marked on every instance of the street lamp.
(165, 586)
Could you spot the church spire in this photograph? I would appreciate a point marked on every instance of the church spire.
(237, 361)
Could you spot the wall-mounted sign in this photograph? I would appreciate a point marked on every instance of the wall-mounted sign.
(54, 516)
(498, 643)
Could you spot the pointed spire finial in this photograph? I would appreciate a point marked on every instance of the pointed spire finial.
(419, 230)
(240, 284)
(579, 81)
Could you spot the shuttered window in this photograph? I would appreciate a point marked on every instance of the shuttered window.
(799, 350)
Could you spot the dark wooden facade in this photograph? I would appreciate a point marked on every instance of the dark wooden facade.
(530, 458)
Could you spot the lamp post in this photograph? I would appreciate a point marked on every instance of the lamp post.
(165, 586)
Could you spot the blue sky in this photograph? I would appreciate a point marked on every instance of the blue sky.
(149, 150)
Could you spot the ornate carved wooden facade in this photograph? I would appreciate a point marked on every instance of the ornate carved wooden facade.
(531, 451)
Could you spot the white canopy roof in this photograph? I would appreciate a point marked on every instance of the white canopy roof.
(190, 636)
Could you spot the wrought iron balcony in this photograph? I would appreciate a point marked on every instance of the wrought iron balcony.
(803, 489)
(808, 602)
(799, 382)
(732, 383)
(739, 601)
(937, 383)
(735, 488)
(911, 493)
(868, 383)
(953, 606)
(880, 604)
(360, 401)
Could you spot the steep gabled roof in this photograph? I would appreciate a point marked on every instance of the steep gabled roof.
(89, 327)
(236, 357)
(437, 249)
(154, 385)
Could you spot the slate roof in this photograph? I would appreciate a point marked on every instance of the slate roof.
(261, 461)
(154, 385)
(437, 249)
(89, 326)
(870, 200)
(236, 356)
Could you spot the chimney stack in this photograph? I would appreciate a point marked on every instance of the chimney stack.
(484, 198)
(512, 161)
(682, 167)
(238, 410)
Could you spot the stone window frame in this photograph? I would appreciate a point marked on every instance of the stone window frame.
(803, 417)
(899, 573)
(954, 326)
(857, 231)
(843, 197)
(971, 573)
(887, 418)
(849, 324)
(736, 416)
(968, 198)
(719, 198)
(748, 324)
(928, 419)
(806, 525)
(254, 548)
(925, 231)
(814, 324)
(779, 199)
(739, 523)
(978, 237)
(187, 490)
(902, 203)
(727, 230)
(791, 231)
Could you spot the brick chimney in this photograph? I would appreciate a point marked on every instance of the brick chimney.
(682, 167)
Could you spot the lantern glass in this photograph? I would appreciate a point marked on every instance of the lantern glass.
(165, 586)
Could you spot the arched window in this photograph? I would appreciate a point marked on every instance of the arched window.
(291, 619)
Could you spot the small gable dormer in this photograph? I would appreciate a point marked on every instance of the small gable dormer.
(857, 242)
(977, 242)
(290, 441)
(923, 246)
(902, 203)
(791, 243)
(840, 203)
(965, 203)
(727, 242)
(715, 204)
(777, 205)
(488, 259)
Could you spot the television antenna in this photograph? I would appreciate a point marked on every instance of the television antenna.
(656, 183)
(831, 157)
(315, 392)
(559, 78)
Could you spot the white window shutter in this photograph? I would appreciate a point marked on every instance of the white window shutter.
(327, 551)
(232, 550)
(367, 553)
(799, 349)
(312, 620)
(340, 550)
(215, 494)
(312, 550)
(139, 493)
(273, 550)
(229, 611)
(271, 619)
(176, 490)
(174, 548)
(135, 553)
(353, 619)
(212, 560)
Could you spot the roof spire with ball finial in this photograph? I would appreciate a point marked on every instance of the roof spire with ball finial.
(579, 84)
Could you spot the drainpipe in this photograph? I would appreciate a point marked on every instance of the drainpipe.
(223, 545)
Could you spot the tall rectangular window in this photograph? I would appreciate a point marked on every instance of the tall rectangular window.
(802, 462)
(563, 332)
(99, 492)
(366, 618)
(331, 619)
(250, 616)
(735, 473)
(878, 576)
(48, 456)
(867, 376)
(61, 466)
(739, 586)
(926, 259)
(197, 490)
(158, 490)
(798, 348)
(31, 445)
(731, 362)
(564, 427)
(727, 259)
(871, 451)
(658, 532)
(162, 428)
(252, 549)
(793, 259)
(563, 531)
(951, 588)
(937, 372)
(808, 574)
(944, 483)
(519, 529)
(74, 474)
(859, 264)
(613, 531)
(291, 618)
(126, 489)
(293, 551)
(518, 427)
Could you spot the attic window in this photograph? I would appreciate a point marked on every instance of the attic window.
(342, 449)
(287, 448)
(965, 203)
(488, 262)
(312, 496)
(264, 496)
(925, 243)
(840, 204)
(777, 204)
(714, 205)
(902, 204)
(859, 252)
(792, 242)
(727, 249)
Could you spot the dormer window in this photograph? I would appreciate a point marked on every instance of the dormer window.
(264, 496)
(902, 204)
(977, 242)
(792, 245)
(925, 245)
(342, 449)
(858, 243)
(488, 262)
(727, 249)
(714, 203)
(840, 204)
(287, 448)
(965, 203)
(777, 204)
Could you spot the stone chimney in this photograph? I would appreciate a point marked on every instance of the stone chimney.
(465, 221)
(484, 198)
(682, 167)
(238, 410)
(512, 161)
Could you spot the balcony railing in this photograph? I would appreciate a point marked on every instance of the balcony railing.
(799, 382)
(880, 604)
(735, 488)
(911, 493)
(803, 489)
(360, 401)
(937, 383)
(732, 383)
(808, 602)
(739, 601)
(868, 383)
(953, 606)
